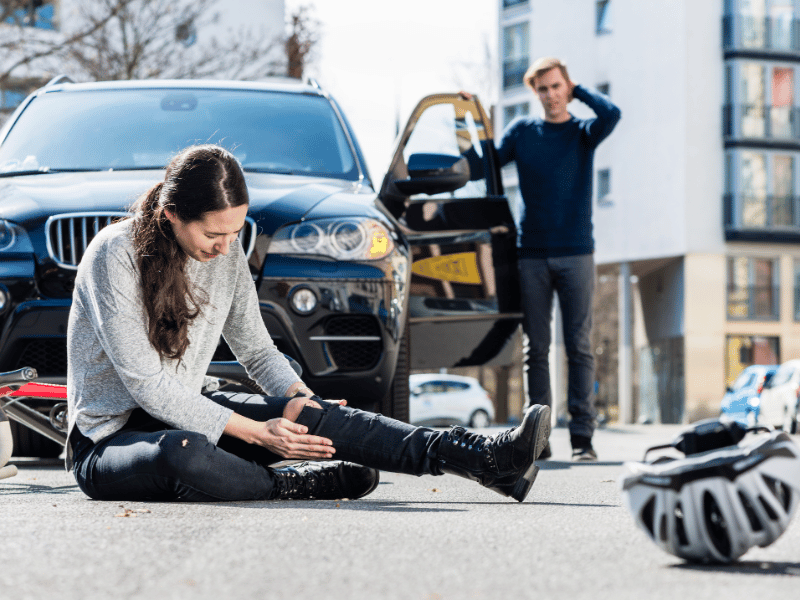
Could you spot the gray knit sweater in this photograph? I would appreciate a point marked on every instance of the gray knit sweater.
(114, 369)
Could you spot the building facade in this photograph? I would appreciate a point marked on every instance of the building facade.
(696, 191)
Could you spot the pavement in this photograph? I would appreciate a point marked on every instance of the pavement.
(428, 538)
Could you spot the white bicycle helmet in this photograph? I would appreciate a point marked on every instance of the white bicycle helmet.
(717, 502)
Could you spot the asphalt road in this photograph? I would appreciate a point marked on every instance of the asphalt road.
(417, 538)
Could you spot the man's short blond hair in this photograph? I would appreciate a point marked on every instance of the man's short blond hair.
(542, 66)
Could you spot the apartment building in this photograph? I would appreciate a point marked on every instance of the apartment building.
(696, 192)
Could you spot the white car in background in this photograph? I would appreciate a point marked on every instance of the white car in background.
(443, 400)
(779, 398)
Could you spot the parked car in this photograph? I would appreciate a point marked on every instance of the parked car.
(778, 403)
(357, 282)
(741, 400)
(443, 400)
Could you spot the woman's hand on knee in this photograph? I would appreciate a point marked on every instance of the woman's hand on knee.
(291, 440)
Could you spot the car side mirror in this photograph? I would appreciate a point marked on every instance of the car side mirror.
(434, 174)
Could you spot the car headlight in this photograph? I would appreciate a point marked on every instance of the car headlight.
(14, 238)
(342, 239)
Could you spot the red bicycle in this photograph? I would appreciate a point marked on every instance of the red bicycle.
(18, 389)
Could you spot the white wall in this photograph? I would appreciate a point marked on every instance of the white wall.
(663, 60)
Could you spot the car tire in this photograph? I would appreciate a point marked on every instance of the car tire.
(395, 403)
(29, 443)
(480, 418)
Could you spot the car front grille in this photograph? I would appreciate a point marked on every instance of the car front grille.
(354, 354)
(47, 355)
(69, 235)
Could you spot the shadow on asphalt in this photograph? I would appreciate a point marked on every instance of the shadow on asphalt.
(12, 488)
(552, 465)
(751, 567)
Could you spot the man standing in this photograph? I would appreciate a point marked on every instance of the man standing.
(554, 158)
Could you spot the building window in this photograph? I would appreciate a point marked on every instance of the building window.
(34, 13)
(510, 3)
(761, 191)
(753, 289)
(516, 46)
(604, 186)
(515, 110)
(11, 98)
(797, 289)
(745, 350)
(760, 101)
(760, 25)
(603, 17)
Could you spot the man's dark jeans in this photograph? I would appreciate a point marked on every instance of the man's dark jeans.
(149, 460)
(572, 278)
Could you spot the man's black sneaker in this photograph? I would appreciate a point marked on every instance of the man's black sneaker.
(584, 454)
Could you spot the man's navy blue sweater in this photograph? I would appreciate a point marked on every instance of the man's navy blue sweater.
(554, 163)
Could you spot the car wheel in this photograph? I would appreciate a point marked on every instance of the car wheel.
(480, 418)
(395, 403)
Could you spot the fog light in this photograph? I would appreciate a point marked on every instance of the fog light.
(304, 301)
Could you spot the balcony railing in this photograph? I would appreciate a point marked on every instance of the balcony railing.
(762, 211)
(778, 35)
(753, 303)
(513, 72)
(760, 122)
(510, 3)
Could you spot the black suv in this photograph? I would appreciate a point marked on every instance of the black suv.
(357, 286)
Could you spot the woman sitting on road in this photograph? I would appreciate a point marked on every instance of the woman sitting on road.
(152, 296)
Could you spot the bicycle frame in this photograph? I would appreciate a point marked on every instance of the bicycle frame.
(16, 388)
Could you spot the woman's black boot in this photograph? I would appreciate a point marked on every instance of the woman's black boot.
(332, 480)
(503, 463)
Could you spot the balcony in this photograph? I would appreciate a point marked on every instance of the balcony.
(761, 125)
(513, 72)
(762, 218)
(752, 36)
(511, 3)
(753, 303)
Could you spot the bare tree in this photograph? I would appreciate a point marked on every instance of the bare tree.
(302, 37)
(21, 46)
(142, 39)
(152, 39)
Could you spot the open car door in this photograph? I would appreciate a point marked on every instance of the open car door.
(444, 187)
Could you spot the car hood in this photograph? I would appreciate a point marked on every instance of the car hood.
(276, 199)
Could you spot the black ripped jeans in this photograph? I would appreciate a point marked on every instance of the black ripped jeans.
(149, 460)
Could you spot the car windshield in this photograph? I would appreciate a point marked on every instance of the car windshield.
(268, 131)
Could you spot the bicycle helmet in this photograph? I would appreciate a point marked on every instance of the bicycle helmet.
(715, 503)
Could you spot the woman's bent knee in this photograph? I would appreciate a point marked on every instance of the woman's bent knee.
(296, 406)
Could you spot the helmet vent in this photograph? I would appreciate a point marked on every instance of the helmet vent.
(716, 526)
(780, 490)
(648, 516)
(680, 529)
(662, 528)
(755, 523)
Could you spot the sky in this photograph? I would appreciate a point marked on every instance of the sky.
(378, 58)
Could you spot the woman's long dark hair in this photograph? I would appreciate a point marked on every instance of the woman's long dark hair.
(199, 180)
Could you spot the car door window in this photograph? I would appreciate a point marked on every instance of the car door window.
(446, 129)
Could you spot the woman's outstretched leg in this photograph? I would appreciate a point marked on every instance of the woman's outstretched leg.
(503, 463)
